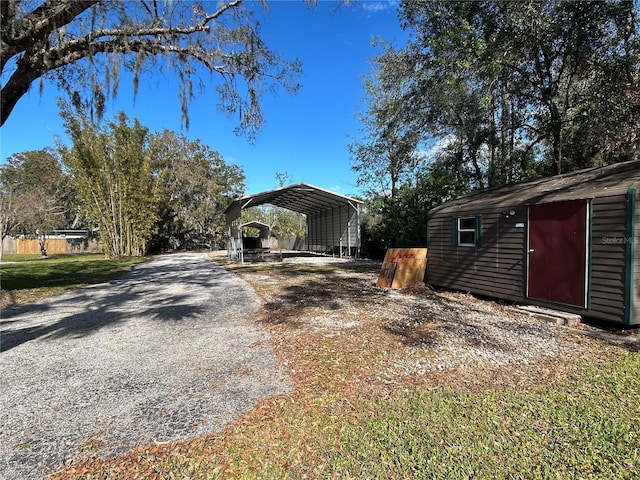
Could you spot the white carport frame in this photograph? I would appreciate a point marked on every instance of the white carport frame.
(333, 220)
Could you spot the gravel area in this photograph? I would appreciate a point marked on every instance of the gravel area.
(379, 339)
(163, 353)
(456, 330)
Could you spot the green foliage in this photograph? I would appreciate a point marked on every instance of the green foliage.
(505, 79)
(386, 155)
(144, 191)
(496, 92)
(401, 220)
(196, 187)
(112, 171)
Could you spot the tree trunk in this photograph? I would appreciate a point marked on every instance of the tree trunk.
(42, 243)
(15, 88)
(556, 138)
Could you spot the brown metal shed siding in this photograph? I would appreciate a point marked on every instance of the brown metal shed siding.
(498, 269)
(494, 269)
(608, 258)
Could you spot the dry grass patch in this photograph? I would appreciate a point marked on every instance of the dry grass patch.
(412, 384)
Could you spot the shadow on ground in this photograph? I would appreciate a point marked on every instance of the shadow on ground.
(86, 310)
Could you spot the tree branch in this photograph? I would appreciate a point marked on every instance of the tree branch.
(47, 42)
(36, 27)
(77, 52)
(154, 31)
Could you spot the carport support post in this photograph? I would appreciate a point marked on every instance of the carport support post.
(357, 210)
(240, 243)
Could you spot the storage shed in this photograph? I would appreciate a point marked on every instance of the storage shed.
(568, 242)
(332, 220)
(259, 242)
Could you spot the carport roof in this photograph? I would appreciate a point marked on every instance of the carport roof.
(265, 230)
(301, 198)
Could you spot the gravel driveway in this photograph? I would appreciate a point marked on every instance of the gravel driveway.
(162, 353)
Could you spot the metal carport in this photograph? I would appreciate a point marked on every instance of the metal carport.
(332, 220)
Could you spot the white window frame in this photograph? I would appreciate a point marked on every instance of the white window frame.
(473, 229)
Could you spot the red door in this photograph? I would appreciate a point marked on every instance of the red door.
(557, 252)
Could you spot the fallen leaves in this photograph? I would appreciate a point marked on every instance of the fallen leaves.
(342, 340)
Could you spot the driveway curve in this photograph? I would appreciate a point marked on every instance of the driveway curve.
(162, 353)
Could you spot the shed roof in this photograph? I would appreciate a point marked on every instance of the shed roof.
(301, 198)
(265, 230)
(588, 183)
(255, 224)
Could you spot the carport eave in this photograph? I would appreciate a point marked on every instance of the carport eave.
(301, 198)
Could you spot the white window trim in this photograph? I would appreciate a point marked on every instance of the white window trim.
(473, 230)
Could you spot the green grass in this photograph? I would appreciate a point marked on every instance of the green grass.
(22, 257)
(586, 426)
(49, 276)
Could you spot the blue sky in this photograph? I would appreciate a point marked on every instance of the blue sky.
(305, 135)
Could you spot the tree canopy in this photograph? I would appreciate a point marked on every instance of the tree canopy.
(540, 86)
(196, 187)
(486, 93)
(35, 196)
(147, 191)
(388, 156)
(82, 47)
(111, 169)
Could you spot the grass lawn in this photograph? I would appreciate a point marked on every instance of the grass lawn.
(583, 426)
(575, 415)
(28, 278)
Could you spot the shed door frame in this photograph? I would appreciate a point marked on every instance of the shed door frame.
(587, 221)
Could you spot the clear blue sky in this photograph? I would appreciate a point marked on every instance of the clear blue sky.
(306, 135)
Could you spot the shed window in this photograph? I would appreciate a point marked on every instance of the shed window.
(467, 231)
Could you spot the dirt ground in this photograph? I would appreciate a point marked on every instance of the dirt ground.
(333, 328)
(337, 335)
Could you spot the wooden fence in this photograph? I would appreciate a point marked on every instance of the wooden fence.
(54, 245)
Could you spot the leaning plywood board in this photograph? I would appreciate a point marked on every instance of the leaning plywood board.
(409, 272)
(402, 267)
